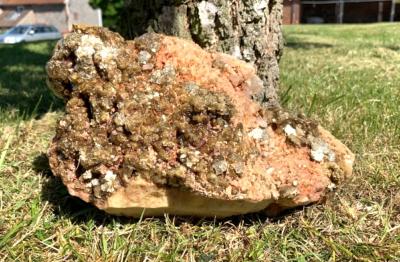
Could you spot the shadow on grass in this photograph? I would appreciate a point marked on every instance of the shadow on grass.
(23, 87)
(66, 206)
(63, 204)
(393, 47)
(298, 44)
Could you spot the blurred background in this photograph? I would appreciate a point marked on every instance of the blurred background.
(340, 11)
(61, 14)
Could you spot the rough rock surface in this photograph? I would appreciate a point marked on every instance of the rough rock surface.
(250, 30)
(158, 124)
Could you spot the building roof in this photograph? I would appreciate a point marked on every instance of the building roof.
(30, 2)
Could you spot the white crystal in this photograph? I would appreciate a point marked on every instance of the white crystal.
(110, 176)
(87, 175)
(289, 130)
(318, 154)
(107, 187)
(258, 133)
(95, 182)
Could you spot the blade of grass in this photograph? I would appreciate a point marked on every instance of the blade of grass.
(11, 233)
(312, 105)
(285, 97)
(334, 100)
(35, 109)
(35, 219)
(4, 152)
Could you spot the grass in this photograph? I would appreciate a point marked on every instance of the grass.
(347, 77)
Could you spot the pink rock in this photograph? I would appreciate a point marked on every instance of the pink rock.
(158, 125)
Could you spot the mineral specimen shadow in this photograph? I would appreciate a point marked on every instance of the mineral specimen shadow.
(61, 202)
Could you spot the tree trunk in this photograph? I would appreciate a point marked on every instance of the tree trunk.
(248, 29)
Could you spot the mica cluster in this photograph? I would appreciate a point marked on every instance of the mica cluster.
(158, 125)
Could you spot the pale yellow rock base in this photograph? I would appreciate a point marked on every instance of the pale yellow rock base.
(143, 198)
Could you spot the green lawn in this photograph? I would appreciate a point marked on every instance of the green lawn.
(347, 77)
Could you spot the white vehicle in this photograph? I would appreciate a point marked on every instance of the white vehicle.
(29, 33)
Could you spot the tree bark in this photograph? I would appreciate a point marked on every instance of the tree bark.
(249, 30)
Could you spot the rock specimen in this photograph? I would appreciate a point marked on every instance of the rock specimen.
(158, 125)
